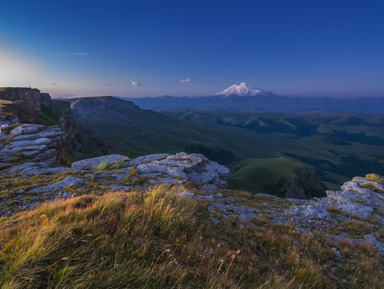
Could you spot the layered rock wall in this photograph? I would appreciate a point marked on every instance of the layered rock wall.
(28, 101)
(30, 142)
(27, 104)
(46, 101)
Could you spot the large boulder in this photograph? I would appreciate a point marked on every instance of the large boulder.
(180, 167)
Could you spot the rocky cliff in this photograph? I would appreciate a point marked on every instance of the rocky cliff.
(66, 118)
(27, 104)
(30, 142)
(27, 101)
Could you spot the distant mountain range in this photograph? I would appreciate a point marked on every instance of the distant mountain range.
(243, 98)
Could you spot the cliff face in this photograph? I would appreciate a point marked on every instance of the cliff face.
(27, 104)
(21, 139)
(30, 142)
(27, 101)
(46, 101)
(66, 118)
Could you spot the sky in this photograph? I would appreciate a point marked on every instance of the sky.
(138, 48)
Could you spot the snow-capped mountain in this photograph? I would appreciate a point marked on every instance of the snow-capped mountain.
(241, 89)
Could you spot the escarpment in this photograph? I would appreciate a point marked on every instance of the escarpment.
(33, 127)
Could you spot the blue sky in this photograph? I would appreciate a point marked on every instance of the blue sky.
(178, 47)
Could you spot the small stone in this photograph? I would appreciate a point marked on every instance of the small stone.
(214, 220)
(188, 195)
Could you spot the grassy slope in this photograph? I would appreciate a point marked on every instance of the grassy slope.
(156, 240)
(138, 132)
(339, 145)
(269, 176)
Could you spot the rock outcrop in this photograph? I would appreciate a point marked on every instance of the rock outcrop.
(27, 101)
(46, 101)
(27, 104)
(30, 142)
(355, 214)
(177, 169)
(117, 173)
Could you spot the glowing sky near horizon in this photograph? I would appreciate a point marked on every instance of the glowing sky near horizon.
(179, 47)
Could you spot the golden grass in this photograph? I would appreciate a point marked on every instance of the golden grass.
(373, 178)
(4, 102)
(158, 240)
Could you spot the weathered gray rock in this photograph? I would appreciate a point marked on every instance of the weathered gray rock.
(26, 143)
(53, 133)
(4, 137)
(353, 201)
(5, 127)
(172, 169)
(93, 163)
(35, 143)
(378, 245)
(119, 188)
(310, 211)
(146, 159)
(30, 153)
(69, 181)
(34, 168)
(27, 129)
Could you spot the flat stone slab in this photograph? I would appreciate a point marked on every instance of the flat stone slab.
(35, 168)
(27, 143)
(69, 181)
(27, 129)
(4, 137)
(91, 164)
(50, 132)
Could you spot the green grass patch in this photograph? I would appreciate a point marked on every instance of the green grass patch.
(275, 176)
(372, 188)
(48, 117)
(108, 166)
(134, 178)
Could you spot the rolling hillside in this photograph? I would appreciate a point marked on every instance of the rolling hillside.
(336, 146)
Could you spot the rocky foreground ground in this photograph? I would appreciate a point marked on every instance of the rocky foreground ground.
(350, 218)
(354, 214)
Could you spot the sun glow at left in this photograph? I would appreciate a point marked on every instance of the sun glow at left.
(16, 70)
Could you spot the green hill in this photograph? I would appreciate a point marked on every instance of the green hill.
(282, 177)
(107, 124)
(339, 146)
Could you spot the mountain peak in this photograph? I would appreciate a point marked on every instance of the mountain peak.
(241, 89)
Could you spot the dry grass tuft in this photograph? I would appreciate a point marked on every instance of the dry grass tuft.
(373, 178)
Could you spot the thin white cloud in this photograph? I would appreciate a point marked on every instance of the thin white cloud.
(135, 84)
(187, 80)
(68, 54)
